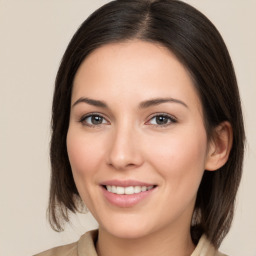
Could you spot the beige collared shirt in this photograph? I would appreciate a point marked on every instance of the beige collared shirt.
(85, 246)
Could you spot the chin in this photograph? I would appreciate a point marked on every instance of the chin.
(125, 229)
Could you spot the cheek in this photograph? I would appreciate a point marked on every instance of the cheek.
(84, 155)
(180, 159)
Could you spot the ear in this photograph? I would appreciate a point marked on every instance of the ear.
(219, 146)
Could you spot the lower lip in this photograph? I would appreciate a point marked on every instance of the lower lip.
(126, 201)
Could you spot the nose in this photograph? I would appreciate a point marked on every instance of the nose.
(125, 149)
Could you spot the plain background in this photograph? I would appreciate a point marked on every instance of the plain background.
(33, 37)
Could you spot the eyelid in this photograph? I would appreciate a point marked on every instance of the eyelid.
(83, 117)
(171, 117)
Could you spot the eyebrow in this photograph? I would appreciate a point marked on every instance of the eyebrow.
(157, 101)
(142, 105)
(96, 103)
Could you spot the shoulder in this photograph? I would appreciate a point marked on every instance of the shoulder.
(84, 246)
(205, 248)
(65, 250)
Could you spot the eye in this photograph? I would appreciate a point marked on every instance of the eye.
(161, 120)
(93, 120)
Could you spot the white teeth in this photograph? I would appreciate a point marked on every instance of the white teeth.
(113, 189)
(128, 190)
(119, 190)
(137, 189)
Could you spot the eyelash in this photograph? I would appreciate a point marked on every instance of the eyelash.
(170, 120)
(83, 119)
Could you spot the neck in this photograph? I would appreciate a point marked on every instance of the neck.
(162, 243)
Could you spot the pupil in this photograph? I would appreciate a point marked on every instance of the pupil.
(96, 119)
(161, 120)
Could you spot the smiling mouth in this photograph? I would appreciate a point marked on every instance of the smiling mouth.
(130, 190)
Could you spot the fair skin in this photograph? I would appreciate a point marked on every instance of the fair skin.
(136, 120)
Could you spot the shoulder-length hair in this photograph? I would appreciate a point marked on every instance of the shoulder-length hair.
(200, 48)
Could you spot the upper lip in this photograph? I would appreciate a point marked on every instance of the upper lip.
(125, 183)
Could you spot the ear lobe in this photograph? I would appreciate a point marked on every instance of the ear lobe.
(219, 147)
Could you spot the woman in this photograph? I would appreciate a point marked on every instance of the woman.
(147, 132)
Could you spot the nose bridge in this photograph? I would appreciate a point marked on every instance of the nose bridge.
(124, 149)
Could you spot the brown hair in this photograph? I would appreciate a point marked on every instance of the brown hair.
(199, 46)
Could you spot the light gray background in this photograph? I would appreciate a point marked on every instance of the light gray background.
(33, 37)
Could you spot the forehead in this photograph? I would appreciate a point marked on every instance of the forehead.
(130, 68)
(125, 57)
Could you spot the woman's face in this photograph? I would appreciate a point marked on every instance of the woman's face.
(136, 128)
